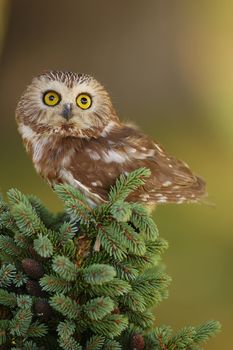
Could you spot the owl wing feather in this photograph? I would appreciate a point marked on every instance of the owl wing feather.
(125, 149)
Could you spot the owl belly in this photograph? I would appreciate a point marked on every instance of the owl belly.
(55, 166)
(48, 159)
(67, 177)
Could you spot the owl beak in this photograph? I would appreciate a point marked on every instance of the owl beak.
(67, 111)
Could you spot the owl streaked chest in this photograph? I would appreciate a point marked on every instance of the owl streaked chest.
(65, 161)
(51, 156)
(49, 153)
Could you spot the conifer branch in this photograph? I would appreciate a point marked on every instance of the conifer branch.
(85, 279)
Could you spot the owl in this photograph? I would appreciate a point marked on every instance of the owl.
(73, 134)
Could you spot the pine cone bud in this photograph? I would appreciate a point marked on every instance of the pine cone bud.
(32, 268)
(116, 311)
(5, 313)
(32, 252)
(34, 289)
(43, 309)
(137, 342)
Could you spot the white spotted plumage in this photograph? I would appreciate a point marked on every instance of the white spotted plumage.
(90, 148)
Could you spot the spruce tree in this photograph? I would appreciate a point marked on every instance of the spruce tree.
(85, 279)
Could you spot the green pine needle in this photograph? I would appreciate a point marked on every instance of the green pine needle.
(110, 326)
(126, 271)
(19, 325)
(65, 331)
(112, 345)
(114, 288)
(143, 319)
(20, 279)
(65, 305)
(4, 324)
(95, 343)
(7, 275)
(69, 343)
(66, 328)
(129, 238)
(121, 211)
(8, 246)
(127, 184)
(43, 246)
(67, 231)
(206, 331)
(37, 329)
(8, 298)
(45, 215)
(142, 221)
(162, 333)
(50, 283)
(97, 274)
(96, 309)
(24, 301)
(27, 220)
(182, 339)
(16, 197)
(102, 274)
(134, 301)
(75, 203)
(110, 242)
(65, 268)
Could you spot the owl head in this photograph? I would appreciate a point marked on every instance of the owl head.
(66, 103)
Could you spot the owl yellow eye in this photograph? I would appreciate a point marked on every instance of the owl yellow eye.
(51, 98)
(83, 101)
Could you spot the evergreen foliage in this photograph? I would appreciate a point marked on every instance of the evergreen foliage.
(85, 279)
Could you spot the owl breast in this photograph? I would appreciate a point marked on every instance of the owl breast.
(64, 160)
(51, 157)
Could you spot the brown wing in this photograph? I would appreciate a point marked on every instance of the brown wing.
(171, 181)
(101, 161)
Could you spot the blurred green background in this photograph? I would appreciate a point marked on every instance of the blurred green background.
(169, 67)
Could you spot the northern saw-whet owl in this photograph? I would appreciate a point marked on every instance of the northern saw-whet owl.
(72, 132)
